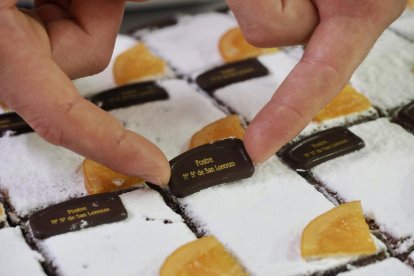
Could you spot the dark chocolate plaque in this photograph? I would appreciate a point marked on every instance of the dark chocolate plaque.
(231, 73)
(406, 117)
(128, 95)
(77, 214)
(209, 165)
(321, 147)
(13, 123)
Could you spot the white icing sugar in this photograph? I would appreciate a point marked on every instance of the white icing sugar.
(404, 24)
(171, 123)
(193, 43)
(380, 175)
(135, 246)
(36, 174)
(386, 75)
(105, 80)
(261, 219)
(411, 257)
(17, 257)
(387, 267)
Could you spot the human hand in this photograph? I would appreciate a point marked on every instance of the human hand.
(338, 33)
(39, 50)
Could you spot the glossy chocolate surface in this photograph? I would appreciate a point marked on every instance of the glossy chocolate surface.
(321, 147)
(128, 95)
(209, 165)
(77, 214)
(231, 73)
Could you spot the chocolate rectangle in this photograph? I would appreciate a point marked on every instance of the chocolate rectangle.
(128, 95)
(231, 73)
(13, 123)
(321, 147)
(405, 117)
(77, 214)
(209, 165)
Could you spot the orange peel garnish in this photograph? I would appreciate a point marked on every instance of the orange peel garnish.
(137, 63)
(347, 102)
(100, 179)
(229, 126)
(202, 257)
(342, 231)
(233, 47)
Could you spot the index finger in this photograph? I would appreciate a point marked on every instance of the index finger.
(325, 68)
(45, 97)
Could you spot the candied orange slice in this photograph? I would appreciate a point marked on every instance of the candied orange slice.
(100, 179)
(221, 129)
(137, 63)
(341, 231)
(233, 47)
(347, 102)
(202, 257)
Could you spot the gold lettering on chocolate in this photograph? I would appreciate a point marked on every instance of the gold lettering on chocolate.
(206, 170)
(78, 214)
(232, 73)
(77, 210)
(203, 162)
(324, 146)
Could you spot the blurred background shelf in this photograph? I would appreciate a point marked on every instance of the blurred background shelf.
(140, 13)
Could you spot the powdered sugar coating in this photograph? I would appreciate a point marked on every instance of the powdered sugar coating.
(36, 174)
(171, 123)
(17, 257)
(386, 75)
(193, 43)
(387, 267)
(380, 175)
(135, 246)
(404, 24)
(261, 219)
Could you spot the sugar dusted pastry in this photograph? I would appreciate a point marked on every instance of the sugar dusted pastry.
(276, 206)
(192, 44)
(390, 266)
(129, 247)
(18, 258)
(362, 174)
(386, 77)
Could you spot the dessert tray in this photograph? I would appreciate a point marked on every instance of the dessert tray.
(191, 85)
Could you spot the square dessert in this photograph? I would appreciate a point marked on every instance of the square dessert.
(261, 219)
(390, 266)
(380, 175)
(193, 43)
(18, 258)
(386, 76)
(137, 245)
